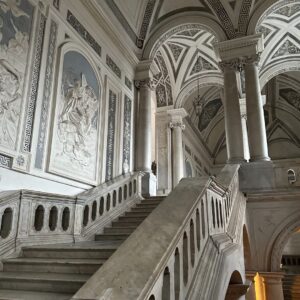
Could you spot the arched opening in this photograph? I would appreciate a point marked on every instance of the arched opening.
(65, 219)
(185, 259)
(101, 206)
(125, 191)
(114, 198)
(235, 283)
(203, 219)
(6, 223)
(192, 242)
(53, 218)
(108, 202)
(86, 215)
(177, 275)
(198, 234)
(120, 195)
(213, 212)
(166, 293)
(134, 186)
(94, 210)
(130, 189)
(39, 218)
(217, 212)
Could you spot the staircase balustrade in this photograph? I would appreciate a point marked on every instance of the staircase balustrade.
(30, 217)
(162, 258)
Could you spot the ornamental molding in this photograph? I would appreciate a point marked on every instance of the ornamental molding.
(178, 124)
(145, 83)
(241, 47)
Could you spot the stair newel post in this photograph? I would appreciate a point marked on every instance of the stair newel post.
(78, 219)
(145, 86)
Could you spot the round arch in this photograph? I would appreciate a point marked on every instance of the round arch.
(280, 68)
(178, 22)
(260, 13)
(204, 81)
(285, 232)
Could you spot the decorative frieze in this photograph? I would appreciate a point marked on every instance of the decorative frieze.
(5, 161)
(128, 83)
(127, 134)
(113, 66)
(46, 95)
(110, 147)
(72, 20)
(34, 83)
(145, 83)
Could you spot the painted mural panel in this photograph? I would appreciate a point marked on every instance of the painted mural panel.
(111, 135)
(75, 135)
(127, 134)
(15, 29)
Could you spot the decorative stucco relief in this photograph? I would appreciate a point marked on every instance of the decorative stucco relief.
(127, 134)
(111, 135)
(75, 135)
(15, 29)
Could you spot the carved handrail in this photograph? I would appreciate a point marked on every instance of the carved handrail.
(168, 248)
(31, 217)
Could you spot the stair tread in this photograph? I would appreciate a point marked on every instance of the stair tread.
(29, 276)
(89, 246)
(39, 260)
(31, 295)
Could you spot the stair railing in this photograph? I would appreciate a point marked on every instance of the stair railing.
(161, 259)
(31, 218)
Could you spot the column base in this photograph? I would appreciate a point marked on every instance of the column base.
(236, 160)
(149, 185)
(259, 158)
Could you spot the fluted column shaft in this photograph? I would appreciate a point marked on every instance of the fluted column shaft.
(144, 128)
(177, 151)
(255, 113)
(233, 124)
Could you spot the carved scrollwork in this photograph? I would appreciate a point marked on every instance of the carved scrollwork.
(145, 83)
(233, 64)
(177, 125)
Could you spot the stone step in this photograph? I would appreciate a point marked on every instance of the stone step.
(125, 224)
(28, 295)
(42, 282)
(142, 210)
(131, 219)
(68, 252)
(53, 265)
(120, 229)
(136, 214)
(111, 236)
(152, 202)
(146, 206)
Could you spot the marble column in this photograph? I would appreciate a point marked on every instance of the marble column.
(177, 127)
(272, 282)
(144, 136)
(255, 113)
(233, 124)
(244, 128)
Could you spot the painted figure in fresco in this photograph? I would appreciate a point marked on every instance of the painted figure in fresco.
(13, 6)
(9, 97)
(75, 120)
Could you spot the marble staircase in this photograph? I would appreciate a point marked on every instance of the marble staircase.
(49, 272)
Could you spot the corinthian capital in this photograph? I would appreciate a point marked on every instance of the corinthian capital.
(251, 60)
(232, 64)
(177, 124)
(145, 83)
